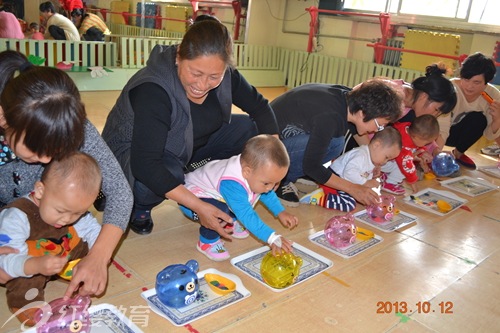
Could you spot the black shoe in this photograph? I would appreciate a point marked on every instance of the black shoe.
(288, 195)
(100, 202)
(141, 226)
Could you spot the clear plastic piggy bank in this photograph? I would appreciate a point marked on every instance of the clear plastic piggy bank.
(444, 164)
(340, 231)
(177, 285)
(280, 271)
(64, 316)
(384, 210)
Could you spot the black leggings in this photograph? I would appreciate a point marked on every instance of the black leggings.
(467, 131)
(57, 33)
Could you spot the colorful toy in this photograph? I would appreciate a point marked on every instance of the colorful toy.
(444, 164)
(177, 285)
(64, 316)
(220, 284)
(429, 175)
(67, 271)
(340, 231)
(383, 211)
(364, 234)
(280, 271)
(443, 206)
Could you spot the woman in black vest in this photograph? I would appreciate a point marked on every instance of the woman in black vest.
(175, 115)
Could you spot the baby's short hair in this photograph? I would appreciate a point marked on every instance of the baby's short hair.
(34, 25)
(388, 136)
(425, 126)
(265, 148)
(78, 167)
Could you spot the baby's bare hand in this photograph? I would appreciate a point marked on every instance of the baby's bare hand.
(288, 220)
(50, 265)
(286, 247)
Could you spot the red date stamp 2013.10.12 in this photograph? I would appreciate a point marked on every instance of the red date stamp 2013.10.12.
(385, 307)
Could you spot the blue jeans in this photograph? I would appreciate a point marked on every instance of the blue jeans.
(296, 147)
(208, 234)
(227, 141)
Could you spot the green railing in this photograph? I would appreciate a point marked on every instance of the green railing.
(291, 67)
(80, 53)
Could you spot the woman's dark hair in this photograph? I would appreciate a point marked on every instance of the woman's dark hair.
(47, 7)
(376, 99)
(437, 87)
(205, 38)
(477, 64)
(42, 105)
(78, 12)
(206, 17)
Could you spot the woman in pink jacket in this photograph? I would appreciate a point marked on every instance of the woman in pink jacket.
(9, 26)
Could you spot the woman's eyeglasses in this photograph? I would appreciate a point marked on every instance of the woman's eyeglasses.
(379, 127)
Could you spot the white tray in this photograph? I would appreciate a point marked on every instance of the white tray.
(491, 170)
(347, 252)
(399, 220)
(426, 200)
(312, 264)
(469, 186)
(207, 302)
(106, 318)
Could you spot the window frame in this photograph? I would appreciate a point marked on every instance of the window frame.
(436, 22)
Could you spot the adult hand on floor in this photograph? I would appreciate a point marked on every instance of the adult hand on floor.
(364, 194)
(213, 218)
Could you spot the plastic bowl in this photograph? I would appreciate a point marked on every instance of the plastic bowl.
(220, 284)
(443, 206)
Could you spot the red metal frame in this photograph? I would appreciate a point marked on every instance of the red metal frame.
(384, 19)
(387, 32)
(236, 7)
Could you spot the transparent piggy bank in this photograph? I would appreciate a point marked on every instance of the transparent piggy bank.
(340, 231)
(444, 164)
(64, 316)
(280, 271)
(177, 285)
(384, 210)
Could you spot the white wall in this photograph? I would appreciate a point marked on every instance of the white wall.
(286, 23)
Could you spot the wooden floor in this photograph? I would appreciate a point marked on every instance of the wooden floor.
(453, 259)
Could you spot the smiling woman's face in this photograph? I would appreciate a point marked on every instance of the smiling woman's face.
(371, 126)
(200, 75)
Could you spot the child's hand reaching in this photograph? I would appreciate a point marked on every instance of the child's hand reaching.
(46, 265)
(414, 187)
(286, 246)
(425, 157)
(288, 220)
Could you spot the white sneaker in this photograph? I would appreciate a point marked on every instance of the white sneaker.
(493, 150)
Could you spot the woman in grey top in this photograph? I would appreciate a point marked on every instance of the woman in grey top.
(42, 118)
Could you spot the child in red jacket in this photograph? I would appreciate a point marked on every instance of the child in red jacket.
(423, 131)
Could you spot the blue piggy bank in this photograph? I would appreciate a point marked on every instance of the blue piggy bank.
(444, 164)
(177, 285)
